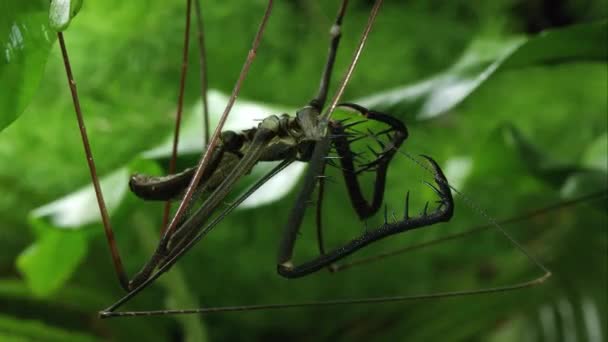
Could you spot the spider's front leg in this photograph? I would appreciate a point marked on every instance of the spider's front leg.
(397, 133)
(442, 213)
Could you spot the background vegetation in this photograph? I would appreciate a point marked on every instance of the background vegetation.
(530, 131)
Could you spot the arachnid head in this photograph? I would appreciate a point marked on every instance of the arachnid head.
(308, 119)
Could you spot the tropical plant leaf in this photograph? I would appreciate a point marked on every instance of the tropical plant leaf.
(439, 94)
(25, 39)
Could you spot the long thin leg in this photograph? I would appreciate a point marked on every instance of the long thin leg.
(180, 106)
(105, 218)
(203, 68)
(109, 312)
(350, 301)
(335, 33)
(442, 214)
(320, 151)
(296, 216)
(243, 167)
(214, 140)
(351, 68)
(117, 260)
(319, 213)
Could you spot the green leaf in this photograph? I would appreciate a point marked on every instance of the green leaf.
(574, 179)
(51, 260)
(26, 40)
(483, 59)
(585, 182)
(596, 155)
(540, 164)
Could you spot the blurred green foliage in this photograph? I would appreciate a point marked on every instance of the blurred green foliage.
(530, 135)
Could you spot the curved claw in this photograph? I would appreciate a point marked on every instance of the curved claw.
(444, 188)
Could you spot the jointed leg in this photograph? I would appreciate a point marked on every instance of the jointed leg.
(319, 101)
(178, 115)
(105, 218)
(214, 140)
(380, 165)
(341, 142)
(443, 213)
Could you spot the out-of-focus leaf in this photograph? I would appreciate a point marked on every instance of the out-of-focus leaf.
(584, 182)
(29, 330)
(52, 259)
(69, 296)
(61, 13)
(25, 40)
(457, 170)
(540, 164)
(439, 94)
(596, 155)
(14, 293)
(574, 180)
(80, 207)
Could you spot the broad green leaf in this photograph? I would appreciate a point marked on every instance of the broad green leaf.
(441, 93)
(25, 40)
(50, 261)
